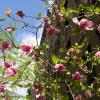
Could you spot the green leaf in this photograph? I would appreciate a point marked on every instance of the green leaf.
(39, 15)
(54, 59)
(97, 10)
(62, 60)
(65, 98)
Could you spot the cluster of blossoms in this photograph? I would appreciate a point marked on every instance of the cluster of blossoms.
(10, 69)
(51, 30)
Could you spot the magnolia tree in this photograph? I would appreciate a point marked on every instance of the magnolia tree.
(24, 65)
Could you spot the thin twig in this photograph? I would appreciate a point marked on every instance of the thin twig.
(70, 90)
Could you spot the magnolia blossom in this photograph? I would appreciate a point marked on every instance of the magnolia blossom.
(77, 76)
(8, 64)
(47, 20)
(52, 30)
(26, 48)
(20, 14)
(10, 72)
(58, 68)
(84, 24)
(58, 16)
(8, 11)
(97, 54)
(2, 88)
(5, 45)
(10, 29)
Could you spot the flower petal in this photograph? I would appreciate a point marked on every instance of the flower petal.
(75, 20)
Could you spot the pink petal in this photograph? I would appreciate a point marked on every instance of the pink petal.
(89, 25)
(9, 72)
(83, 20)
(86, 24)
(75, 20)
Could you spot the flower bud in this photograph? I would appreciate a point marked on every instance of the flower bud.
(20, 14)
(26, 48)
(8, 11)
(59, 68)
(10, 29)
(5, 45)
(77, 76)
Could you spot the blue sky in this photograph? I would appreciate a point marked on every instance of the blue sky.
(30, 7)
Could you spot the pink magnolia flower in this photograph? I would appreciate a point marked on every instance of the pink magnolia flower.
(5, 45)
(58, 16)
(77, 76)
(47, 20)
(52, 30)
(10, 72)
(2, 88)
(97, 54)
(8, 64)
(8, 11)
(84, 24)
(58, 68)
(26, 48)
